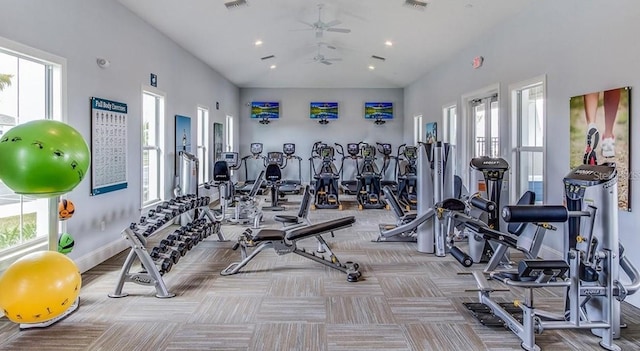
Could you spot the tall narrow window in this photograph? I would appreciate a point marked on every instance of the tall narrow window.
(152, 141)
(528, 139)
(486, 128)
(204, 151)
(417, 129)
(30, 89)
(450, 118)
(229, 134)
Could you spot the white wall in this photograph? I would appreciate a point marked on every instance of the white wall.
(81, 31)
(295, 126)
(581, 46)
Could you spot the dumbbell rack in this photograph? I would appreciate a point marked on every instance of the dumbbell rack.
(162, 217)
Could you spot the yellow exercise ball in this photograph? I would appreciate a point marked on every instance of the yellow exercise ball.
(39, 286)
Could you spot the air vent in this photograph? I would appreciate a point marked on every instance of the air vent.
(235, 4)
(378, 58)
(267, 57)
(421, 5)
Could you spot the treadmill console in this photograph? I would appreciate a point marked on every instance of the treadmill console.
(289, 149)
(368, 152)
(256, 149)
(231, 158)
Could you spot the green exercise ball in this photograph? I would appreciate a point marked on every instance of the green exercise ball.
(43, 158)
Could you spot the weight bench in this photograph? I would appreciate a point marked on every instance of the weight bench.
(284, 242)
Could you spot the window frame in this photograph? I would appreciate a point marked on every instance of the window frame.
(516, 136)
(160, 141)
(204, 143)
(56, 109)
(418, 129)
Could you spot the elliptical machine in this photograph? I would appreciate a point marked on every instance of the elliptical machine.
(385, 149)
(349, 186)
(326, 178)
(368, 191)
(407, 175)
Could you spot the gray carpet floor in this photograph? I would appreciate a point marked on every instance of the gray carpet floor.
(406, 300)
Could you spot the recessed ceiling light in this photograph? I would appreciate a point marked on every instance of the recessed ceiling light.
(388, 43)
(372, 67)
(258, 42)
(273, 66)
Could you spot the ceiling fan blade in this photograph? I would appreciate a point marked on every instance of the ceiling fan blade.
(332, 23)
(307, 23)
(339, 30)
(326, 62)
(327, 45)
(333, 59)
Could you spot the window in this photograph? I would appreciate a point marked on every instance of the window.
(31, 88)
(450, 124)
(417, 129)
(229, 134)
(152, 141)
(528, 118)
(486, 126)
(204, 151)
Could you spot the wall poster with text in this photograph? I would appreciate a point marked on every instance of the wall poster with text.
(108, 146)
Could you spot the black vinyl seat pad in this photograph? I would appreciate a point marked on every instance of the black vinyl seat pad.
(319, 228)
(300, 233)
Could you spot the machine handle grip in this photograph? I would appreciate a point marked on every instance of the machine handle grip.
(483, 204)
(535, 213)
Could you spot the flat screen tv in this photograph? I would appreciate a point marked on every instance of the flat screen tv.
(378, 110)
(323, 110)
(265, 109)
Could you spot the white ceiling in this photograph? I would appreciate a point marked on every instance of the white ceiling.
(224, 38)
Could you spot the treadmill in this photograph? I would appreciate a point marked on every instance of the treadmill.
(291, 186)
(256, 154)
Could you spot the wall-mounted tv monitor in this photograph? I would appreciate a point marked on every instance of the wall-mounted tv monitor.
(265, 110)
(378, 110)
(323, 110)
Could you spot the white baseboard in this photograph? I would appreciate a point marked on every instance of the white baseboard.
(100, 255)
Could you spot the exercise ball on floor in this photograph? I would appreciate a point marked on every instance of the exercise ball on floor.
(43, 158)
(39, 286)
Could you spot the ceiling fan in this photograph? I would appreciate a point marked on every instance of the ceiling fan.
(320, 27)
(320, 58)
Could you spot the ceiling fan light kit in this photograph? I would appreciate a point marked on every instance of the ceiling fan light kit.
(416, 4)
(235, 4)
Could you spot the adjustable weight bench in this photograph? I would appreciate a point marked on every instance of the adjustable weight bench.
(284, 242)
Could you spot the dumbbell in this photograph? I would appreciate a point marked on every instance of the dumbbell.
(175, 245)
(164, 252)
(184, 204)
(164, 265)
(173, 212)
(177, 237)
(197, 229)
(181, 234)
(144, 230)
